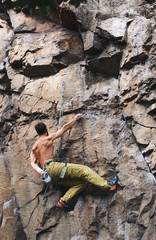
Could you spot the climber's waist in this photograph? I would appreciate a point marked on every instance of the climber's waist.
(55, 168)
(47, 163)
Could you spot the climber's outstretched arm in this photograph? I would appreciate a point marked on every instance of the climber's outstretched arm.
(65, 127)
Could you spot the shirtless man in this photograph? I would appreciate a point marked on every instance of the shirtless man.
(75, 175)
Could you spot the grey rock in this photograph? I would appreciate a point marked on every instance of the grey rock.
(114, 27)
(92, 43)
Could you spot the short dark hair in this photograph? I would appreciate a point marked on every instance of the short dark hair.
(40, 128)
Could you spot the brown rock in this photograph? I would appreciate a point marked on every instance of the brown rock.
(5, 187)
(10, 225)
(40, 95)
(43, 54)
(116, 135)
(23, 23)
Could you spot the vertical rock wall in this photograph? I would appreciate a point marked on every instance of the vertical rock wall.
(104, 52)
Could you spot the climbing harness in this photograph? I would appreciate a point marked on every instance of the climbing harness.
(47, 163)
(63, 171)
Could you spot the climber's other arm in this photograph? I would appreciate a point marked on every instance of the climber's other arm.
(34, 164)
(65, 127)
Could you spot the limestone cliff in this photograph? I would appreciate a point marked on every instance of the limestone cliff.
(105, 53)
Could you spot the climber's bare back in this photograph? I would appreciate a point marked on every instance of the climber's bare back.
(43, 149)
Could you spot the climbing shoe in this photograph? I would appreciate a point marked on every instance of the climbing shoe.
(62, 205)
(113, 183)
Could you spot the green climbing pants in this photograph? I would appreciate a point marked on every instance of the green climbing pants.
(75, 178)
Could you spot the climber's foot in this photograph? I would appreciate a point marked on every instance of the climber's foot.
(112, 183)
(62, 205)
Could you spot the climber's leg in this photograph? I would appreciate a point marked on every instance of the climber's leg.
(76, 186)
(87, 174)
(75, 177)
(79, 172)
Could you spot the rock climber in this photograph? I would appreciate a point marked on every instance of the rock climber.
(75, 175)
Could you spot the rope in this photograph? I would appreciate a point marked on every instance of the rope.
(59, 146)
(29, 235)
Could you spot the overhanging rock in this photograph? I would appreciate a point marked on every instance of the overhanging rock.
(107, 63)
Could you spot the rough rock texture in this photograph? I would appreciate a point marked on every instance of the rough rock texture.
(105, 53)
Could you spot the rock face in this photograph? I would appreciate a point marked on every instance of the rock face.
(104, 53)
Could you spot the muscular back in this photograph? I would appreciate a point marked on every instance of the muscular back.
(43, 149)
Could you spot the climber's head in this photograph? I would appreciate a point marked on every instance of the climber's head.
(41, 128)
